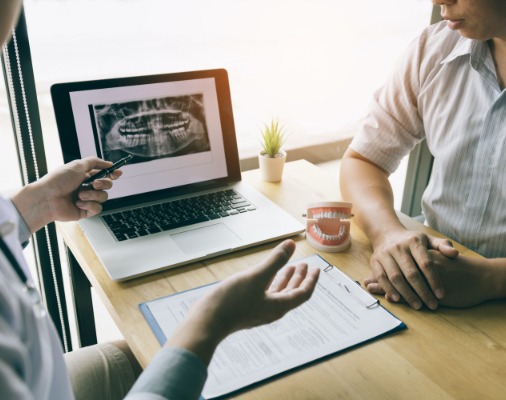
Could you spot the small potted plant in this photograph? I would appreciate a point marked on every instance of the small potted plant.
(272, 158)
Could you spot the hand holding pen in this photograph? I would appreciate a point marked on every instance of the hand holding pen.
(106, 171)
(59, 195)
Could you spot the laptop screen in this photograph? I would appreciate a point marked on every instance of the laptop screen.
(172, 125)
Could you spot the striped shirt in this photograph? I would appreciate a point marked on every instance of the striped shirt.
(446, 90)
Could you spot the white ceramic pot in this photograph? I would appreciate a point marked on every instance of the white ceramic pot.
(271, 168)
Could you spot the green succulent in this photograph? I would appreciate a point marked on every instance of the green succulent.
(273, 137)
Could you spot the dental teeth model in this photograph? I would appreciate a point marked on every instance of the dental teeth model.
(328, 225)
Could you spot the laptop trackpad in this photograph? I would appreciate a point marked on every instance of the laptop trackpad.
(208, 238)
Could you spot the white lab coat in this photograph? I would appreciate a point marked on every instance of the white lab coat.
(31, 355)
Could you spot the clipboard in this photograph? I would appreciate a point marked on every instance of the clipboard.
(339, 316)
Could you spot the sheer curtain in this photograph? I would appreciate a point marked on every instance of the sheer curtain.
(27, 131)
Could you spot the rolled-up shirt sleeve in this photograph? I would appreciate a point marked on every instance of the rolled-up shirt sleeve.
(174, 374)
(393, 125)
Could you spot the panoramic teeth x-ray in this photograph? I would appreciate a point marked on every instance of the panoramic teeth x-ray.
(152, 128)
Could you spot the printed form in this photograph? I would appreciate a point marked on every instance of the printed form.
(339, 315)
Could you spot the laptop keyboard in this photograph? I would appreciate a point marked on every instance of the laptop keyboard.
(156, 218)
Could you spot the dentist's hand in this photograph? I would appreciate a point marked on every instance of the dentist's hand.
(244, 300)
(58, 196)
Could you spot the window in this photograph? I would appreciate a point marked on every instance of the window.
(11, 178)
(311, 63)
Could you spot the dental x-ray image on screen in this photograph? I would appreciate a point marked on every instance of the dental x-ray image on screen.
(151, 128)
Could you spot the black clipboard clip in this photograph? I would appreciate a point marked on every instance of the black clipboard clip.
(374, 303)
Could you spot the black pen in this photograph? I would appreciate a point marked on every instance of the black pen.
(104, 172)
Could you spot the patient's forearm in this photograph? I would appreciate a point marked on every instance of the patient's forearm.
(498, 278)
(368, 188)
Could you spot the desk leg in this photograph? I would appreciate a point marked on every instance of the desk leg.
(83, 306)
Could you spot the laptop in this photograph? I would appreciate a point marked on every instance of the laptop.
(180, 198)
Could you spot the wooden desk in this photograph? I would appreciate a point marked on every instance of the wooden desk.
(447, 354)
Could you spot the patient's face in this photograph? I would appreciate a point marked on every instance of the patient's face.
(475, 19)
(9, 12)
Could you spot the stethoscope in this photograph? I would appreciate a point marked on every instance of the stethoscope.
(28, 286)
